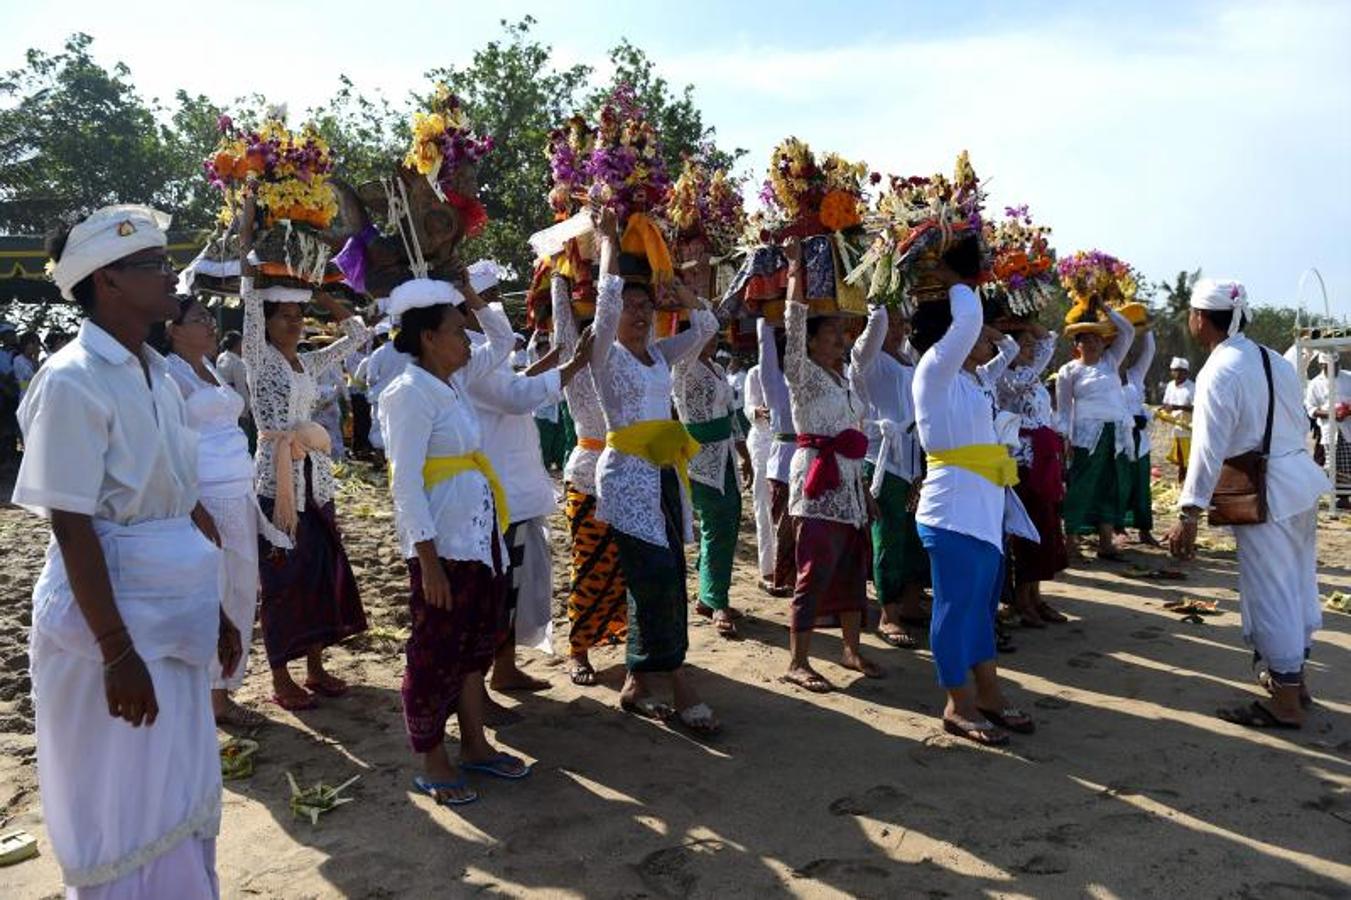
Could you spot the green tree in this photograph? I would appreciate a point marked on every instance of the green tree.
(75, 136)
(366, 136)
(675, 116)
(511, 90)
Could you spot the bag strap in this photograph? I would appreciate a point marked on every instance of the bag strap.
(1271, 400)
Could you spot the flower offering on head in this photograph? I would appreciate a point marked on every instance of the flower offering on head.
(913, 222)
(570, 147)
(446, 150)
(705, 203)
(291, 170)
(625, 167)
(811, 197)
(1024, 263)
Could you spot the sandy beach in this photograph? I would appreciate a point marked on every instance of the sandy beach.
(1130, 788)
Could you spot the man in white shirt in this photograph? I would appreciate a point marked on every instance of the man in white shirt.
(1277, 579)
(1177, 402)
(127, 611)
(1334, 419)
(548, 415)
(506, 401)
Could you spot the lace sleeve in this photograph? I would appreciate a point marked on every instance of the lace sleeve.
(410, 427)
(795, 350)
(317, 362)
(255, 340)
(1121, 344)
(687, 344)
(566, 334)
(1139, 370)
(609, 306)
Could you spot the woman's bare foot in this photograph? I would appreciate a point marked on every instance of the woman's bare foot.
(228, 712)
(287, 694)
(853, 659)
(580, 670)
(512, 680)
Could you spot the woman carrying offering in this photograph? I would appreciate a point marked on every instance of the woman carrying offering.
(641, 477)
(882, 373)
(827, 499)
(597, 600)
(962, 503)
(450, 511)
(705, 401)
(1140, 507)
(1093, 415)
(309, 594)
(1041, 486)
(225, 488)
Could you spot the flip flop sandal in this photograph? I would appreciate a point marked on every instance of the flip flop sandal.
(699, 719)
(1003, 643)
(16, 846)
(241, 717)
(495, 766)
(1255, 715)
(582, 674)
(1264, 679)
(814, 683)
(309, 702)
(432, 789)
(726, 628)
(898, 639)
(647, 708)
(336, 688)
(987, 735)
(1011, 718)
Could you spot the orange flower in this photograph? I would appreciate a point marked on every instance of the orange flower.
(839, 210)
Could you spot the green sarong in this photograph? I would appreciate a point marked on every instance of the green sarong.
(1140, 507)
(711, 431)
(719, 523)
(1099, 486)
(898, 556)
(551, 443)
(655, 577)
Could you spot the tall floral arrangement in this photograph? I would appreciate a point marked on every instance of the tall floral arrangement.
(913, 222)
(290, 170)
(705, 202)
(805, 196)
(1094, 276)
(570, 146)
(1024, 268)
(625, 165)
(446, 149)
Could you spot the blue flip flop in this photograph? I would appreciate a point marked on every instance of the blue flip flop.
(425, 786)
(493, 766)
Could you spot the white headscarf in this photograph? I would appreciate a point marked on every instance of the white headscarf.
(1223, 296)
(109, 234)
(420, 292)
(1180, 362)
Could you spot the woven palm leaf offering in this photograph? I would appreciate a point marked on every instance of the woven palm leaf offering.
(821, 202)
(1024, 278)
(295, 209)
(913, 223)
(430, 203)
(1096, 280)
(708, 217)
(617, 164)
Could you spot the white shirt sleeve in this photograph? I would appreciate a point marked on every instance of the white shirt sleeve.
(66, 430)
(406, 421)
(1213, 421)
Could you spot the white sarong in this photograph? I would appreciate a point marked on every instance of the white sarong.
(532, 583)
(759, 443)
(118, 798)
(1278, 588)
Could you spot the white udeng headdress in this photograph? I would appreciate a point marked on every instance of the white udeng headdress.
(421, 292)
(1223, 296)
(1180, 362)
(109, 234)
(486, 273)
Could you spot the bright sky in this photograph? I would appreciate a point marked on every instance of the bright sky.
(1172, 134)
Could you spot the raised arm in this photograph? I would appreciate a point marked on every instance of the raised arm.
(1043, 353)
(1125, 336)
(795, 315)
(255, 339)
(566, 332)
(869, 344)
(947, 356)
(688, 343)
(323, 360)
(775, 389)
(990, 373)
(1140, 368)
(485, 358)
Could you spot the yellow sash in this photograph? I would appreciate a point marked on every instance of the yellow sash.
(990, 461)
(440, 468)
(662, 442)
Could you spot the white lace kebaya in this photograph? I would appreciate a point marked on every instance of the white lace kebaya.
(823, 403)
(628, 488)
(1089, 397)
(282, 398)
(702, 393)
(1021, 392)
(588, 418)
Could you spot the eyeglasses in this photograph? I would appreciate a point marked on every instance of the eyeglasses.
(159, 266)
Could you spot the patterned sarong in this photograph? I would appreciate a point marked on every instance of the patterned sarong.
(597, 601)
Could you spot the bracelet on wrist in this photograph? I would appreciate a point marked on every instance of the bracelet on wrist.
(119, 659)
(121, 629)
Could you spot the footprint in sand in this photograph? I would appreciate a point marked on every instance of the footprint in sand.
(874, 799)
(665, 871)
(1086, 660)
(848, 869)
